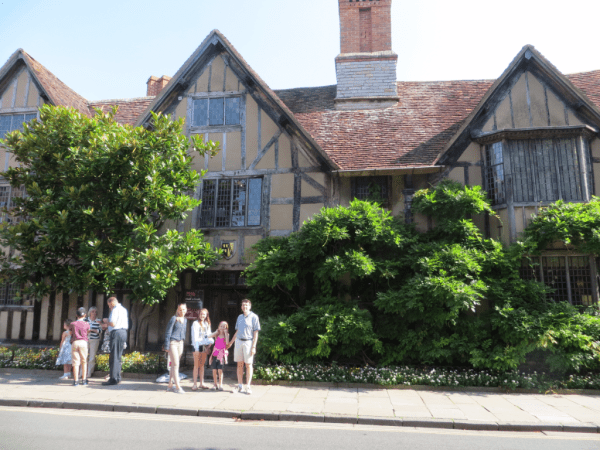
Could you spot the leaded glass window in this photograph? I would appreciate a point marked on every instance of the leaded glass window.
(495, 173)
(569, 277)
(215, 111)
(371, 189)
(12, 122)
(10, 294)
(231, 203)
(542, 170)
(7, 196)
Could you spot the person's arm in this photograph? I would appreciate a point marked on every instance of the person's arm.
(254, 341)
(226, 338)
(232, 339)
(62, 339)
(195, 327)
(168, 332)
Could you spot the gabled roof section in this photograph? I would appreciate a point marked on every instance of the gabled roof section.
(528, 59)
(214, 44)
(51, 88)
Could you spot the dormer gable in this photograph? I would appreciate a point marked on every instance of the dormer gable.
(530, 96)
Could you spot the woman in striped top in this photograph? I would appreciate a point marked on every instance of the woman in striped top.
(94, 339)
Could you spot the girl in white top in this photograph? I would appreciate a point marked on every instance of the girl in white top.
(202, 344)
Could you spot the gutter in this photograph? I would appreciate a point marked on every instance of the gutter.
(412, 170)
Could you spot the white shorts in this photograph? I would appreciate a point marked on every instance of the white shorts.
(243, 352)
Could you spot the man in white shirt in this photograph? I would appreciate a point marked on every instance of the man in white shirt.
(118, 324)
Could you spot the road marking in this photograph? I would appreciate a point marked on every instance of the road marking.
(305, 425)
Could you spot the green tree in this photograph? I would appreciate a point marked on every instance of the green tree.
(102, 201)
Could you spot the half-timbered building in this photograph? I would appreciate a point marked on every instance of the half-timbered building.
(529, 138)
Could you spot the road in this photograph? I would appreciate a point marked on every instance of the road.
(49, 429)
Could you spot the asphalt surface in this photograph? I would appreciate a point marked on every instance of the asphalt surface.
(324, 403)
(28, 428)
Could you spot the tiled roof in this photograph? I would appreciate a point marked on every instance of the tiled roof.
(59, 92)
(589, 83)
(412, 133)
(129, 109)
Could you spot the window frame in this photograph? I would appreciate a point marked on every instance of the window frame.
(539, 270)
(383, 181)
(7, 217)
(213, 206)
(517, 144)
(8, 301)
(208, 96)
(19, 112)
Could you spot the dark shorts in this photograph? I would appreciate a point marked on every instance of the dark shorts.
(216, 364)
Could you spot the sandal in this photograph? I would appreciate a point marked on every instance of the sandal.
(203, 386)
(194, 388)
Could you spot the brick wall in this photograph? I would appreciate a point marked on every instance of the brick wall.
(355, 15)
(155, 85)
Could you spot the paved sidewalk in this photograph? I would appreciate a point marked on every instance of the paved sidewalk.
(406, 407)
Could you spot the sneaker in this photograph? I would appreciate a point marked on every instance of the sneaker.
(75, 383)
(84, 382)
(239, 389)
(220, 388)
(64, 377)
(248, 390)
(178, 391)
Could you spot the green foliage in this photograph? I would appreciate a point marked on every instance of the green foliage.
(424, 376)
(574, 224)
(136, 362)
(448, 296)
(317, 332)
(29, 358)
(450, 201)
(99, 198)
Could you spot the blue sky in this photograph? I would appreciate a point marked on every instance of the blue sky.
(108, 49)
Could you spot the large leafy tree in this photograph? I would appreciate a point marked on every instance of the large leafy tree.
(102, 201)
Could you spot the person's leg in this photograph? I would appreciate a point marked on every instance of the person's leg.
(75, 365)
(76, 357)
(196, 369)
(173, 375)
(83, 352)
(220, 379)
(240, 372)
(249, 370)
(93, 349)
(215, 379)
(112, 355)
(176, 352)
(67, 369)
(120, 336)
(201, 368)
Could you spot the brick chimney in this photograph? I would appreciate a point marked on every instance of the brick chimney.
(366, 66)
(155, 85)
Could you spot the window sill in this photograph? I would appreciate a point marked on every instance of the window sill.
(215, 129)
(253, 227)
(15, 308)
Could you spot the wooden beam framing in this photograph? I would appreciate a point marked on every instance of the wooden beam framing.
(262, 152)
(318, 186)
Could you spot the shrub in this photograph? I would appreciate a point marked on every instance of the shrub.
(136, 362)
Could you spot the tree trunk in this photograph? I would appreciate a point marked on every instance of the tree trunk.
(140, 315)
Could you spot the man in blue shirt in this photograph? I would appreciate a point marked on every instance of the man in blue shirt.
(118, 324)
(247, 327)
